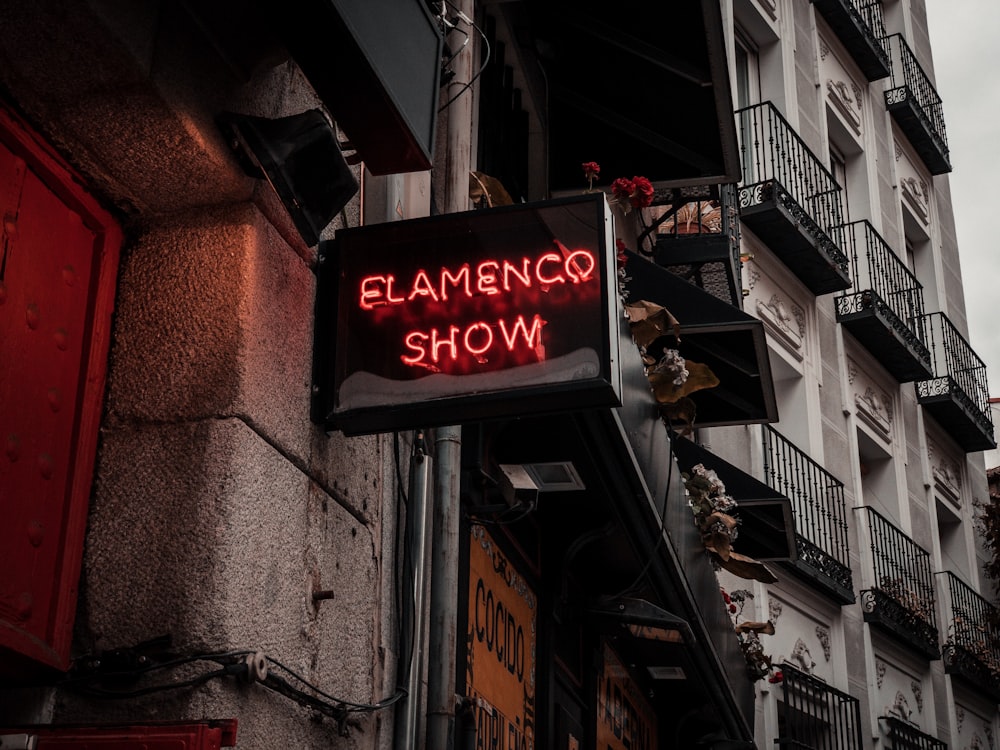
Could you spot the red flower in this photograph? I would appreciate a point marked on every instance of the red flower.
(622, 188)
(642, 192)
(776, 677)
(591, 170)
(638, 191)
(732, 608)
(622, 249)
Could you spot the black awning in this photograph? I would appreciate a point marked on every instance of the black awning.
(641, 88)
(767, 527)
(712, 332)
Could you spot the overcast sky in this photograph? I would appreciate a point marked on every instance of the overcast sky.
(965, 39)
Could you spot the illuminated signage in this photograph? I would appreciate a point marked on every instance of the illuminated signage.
(625, 717)
(468, 316)
(500, 643)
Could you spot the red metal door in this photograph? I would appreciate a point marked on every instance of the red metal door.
(200, 735)
(58, 260)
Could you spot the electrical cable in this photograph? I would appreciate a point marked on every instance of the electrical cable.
(487, 53)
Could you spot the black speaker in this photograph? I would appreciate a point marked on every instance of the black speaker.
(301, 158)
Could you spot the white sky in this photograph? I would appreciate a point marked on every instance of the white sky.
(965, 39)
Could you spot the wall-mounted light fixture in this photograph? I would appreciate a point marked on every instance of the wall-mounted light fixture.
(300, 157)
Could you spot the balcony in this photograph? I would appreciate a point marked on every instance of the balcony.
(957, 395)
(884, 310)
(790, 200)
(914, 103)
(823, 554)
(814, 716)
(971, 650)
(901, 599)
(697, 237)
(905, 736)
(858, 24)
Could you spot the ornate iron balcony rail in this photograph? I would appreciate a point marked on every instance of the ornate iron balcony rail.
(884, 289)
(859, 25)
(697, 237)
(817, 716)
(818, 504)
(972, 646)
(910, 83)
(954, 359)
(901, 598)
(771, 151)
(875, 267)
(904, 736)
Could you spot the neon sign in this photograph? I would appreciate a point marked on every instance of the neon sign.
(458, 317)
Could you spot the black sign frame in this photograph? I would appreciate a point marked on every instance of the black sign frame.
(351, 340)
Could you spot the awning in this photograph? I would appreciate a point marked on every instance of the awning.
(767, 526)
(731, 342)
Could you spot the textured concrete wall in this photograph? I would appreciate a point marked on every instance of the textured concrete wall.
(218, 507)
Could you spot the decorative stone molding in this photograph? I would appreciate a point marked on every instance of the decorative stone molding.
(918, 695)
(858, 93)
(852, 372)
(900, 707)
(875, 410)
(801, 657)
(839, 94)
(915, 196)
(959, 718)
(773, 609)
(988, 731)
(753, 276)
(786, 326)
(823, 634)
(898, 150)
(977, 742)
(879, 672)
(770, 7)
(947, 480)
(824, 49)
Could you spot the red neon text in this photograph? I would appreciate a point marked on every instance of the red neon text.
(490, 277)
(430, 347)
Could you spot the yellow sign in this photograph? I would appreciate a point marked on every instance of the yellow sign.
(500, 642)
(625, 718)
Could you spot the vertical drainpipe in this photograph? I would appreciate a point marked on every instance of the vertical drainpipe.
(448, 440)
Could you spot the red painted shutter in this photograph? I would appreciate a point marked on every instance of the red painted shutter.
(58, 261)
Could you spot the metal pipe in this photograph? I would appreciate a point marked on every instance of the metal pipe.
(448, 440)
(444, 589)
(407, 718)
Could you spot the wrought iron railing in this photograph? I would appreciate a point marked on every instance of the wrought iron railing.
(697, 237)
(972, 644)
(869, 13)
(816, 716)
(910, 82)
(818, 504)
(772, 152)
(953, 359)
(876, 268)
(905, 736)
(902, 594)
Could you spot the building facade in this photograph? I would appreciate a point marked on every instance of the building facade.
(210, 533)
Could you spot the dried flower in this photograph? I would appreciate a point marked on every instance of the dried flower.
(672, 363)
